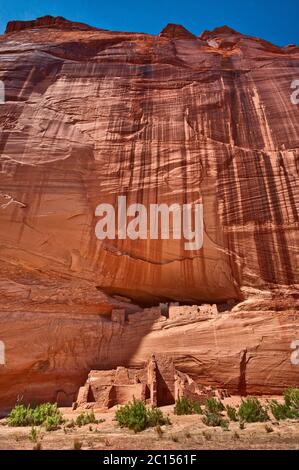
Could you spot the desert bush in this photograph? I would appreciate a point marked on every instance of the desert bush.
(136, 416)
(155, 417)
(212, 413)
(186, 406)
(214, 419)
(252, 411)
(280, 411)
(133, 415)
(214, 406)
(291, 399)
(232, 413)
(33, 435)
(289, 409)
(224, 424)
(22, 415)
(86, 418)
(52, 423)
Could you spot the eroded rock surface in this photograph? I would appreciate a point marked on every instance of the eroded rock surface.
(49, 356)
(90, 115)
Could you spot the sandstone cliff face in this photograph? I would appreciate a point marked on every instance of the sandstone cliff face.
(50, 355)
(93, 114)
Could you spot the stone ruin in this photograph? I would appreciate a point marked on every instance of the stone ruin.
(191, 312)
(172, 312)
(159, 383)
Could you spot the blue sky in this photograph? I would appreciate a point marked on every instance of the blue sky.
(274, 20)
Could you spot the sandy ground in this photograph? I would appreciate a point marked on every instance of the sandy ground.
(184, 432)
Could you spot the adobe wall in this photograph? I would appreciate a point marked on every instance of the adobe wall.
(152, 313)
(122, 394)
(191, 311)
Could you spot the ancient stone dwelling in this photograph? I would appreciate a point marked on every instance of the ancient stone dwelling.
(172, 311)
(159, 383)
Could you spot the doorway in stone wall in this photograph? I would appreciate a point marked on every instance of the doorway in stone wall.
(165, 376)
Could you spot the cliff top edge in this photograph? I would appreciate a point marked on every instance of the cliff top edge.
(171, 30)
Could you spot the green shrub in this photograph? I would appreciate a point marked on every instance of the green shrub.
(280, 411)
(214, 406)
(224, 424)
(155, 417)
(86, 418)
(232, 413)
(136, 416)
(213, 419)
(132, 415)
(291, 399)
(22, 415)
(289, 409)
(33, 436)
(186, 406)
(212, 413)
(252, 411)
(52, 423)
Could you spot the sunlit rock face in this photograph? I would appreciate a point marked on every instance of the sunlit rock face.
(90, 115)
(93, 114)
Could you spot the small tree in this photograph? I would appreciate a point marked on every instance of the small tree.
(134, 415)
(186, 406)
(252, 411)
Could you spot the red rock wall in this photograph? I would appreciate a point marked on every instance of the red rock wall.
(92, 114)
(48, 357)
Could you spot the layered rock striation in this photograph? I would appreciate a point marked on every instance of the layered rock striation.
(90, 115)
